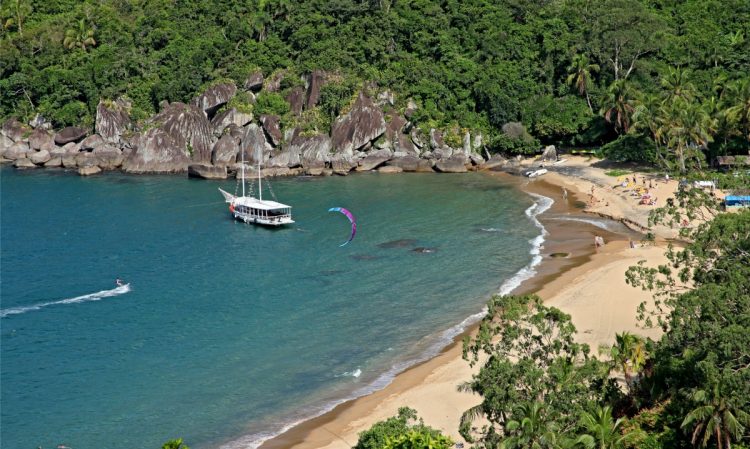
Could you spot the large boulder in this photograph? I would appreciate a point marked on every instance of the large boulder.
(314, 82)
(23, 163)
(39, 138)
(272, 127)
(15, 130)
(273, 82)
(254, 82)
(92, 142)
(225, 150)
(286, 158)
(113, 119)
(86, 159)
(253, 145)
(363, 124)
(39, 122)
(40, 157)
(108, 157)
(549, 154)
(18, 150)
(188, 128)
(342, 163)
(296, 99)
(452, 165)
(390, 169)
(203, 171)
(5, 143)
(68, 161)
(157, 151)
(370, 163)
(406, 163)
(72, 148)
(402, 143)
(55, 162)
(442, 153)
(222, 120)
(70, 134)
(417, 138)
(314, 151)
(436, 139)
(214, 97)
(89, 170)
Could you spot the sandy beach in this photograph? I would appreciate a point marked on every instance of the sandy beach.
(589, 285)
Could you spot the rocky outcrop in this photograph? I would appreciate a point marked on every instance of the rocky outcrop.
(371, 162)
(314, 151)
(253, 145)
(15, 130)
(436, 139)
(272, 127)
(92, 142)
(108, 157)
(496, 161)
(90, 170)
(207, 171)
(70, 134)
(23, 163)
(549, 154)
(314, 82)
(157, 151)
(188, 129)
(254, 82)
(39, 138)
(232, 116)
(225, 150)
(296, 99)
(273, 82)
(287, 158)
(363, 124)
(39, 157)
(112, 120)
(214, 97)
(69, 161)
(442, 153)
(390, 169)
(406, 163)
(342, 163)
(55, 162)
(18, 150)
(5, 143)
(452, 165)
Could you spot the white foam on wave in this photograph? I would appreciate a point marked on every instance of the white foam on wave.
(121, 290)
(445, 338)
(541, 205)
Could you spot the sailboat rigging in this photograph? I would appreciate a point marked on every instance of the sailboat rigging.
(255, 210)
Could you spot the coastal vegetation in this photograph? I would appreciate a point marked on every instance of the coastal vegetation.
(690, 388)
(657, 81)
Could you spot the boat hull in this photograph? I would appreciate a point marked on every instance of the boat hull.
(270, 222)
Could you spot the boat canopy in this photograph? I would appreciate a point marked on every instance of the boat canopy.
(258, 204)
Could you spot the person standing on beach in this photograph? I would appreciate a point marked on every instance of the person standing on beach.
(565, 194)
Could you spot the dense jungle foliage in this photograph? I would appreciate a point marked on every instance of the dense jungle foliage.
(672, 75)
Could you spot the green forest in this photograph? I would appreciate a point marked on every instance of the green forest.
(660, 81)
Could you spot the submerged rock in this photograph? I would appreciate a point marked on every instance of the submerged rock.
(400, 243)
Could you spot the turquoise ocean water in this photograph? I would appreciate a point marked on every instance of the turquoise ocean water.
(229, 333)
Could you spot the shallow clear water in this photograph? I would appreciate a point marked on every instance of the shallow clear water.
(229, 332)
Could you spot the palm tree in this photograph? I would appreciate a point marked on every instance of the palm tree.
(79, 37)
(603, 431)
(619, 105)
(689, 129)
(580, 76)
(715, 417)
(737, 99)
(533, 430)
(15, 12)
(648, 117)
(628, 354)
(676, 84)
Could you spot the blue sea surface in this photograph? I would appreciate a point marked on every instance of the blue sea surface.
(227, 333)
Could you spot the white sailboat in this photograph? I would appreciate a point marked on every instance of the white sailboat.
(256, 210)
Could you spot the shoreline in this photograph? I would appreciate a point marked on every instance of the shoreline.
(338, 427)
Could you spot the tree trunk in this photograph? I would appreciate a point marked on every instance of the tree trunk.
(681, 156)
(588, 100)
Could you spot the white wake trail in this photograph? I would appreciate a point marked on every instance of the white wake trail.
(121, 290)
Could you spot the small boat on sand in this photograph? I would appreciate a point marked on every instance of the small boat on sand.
(535, 173)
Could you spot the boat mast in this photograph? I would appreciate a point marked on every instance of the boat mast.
(243, 171)
(260, 189)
